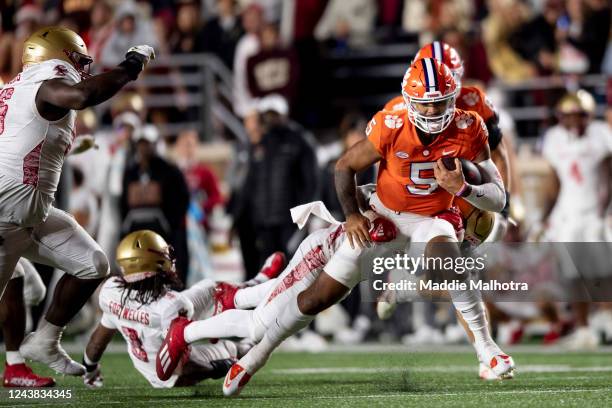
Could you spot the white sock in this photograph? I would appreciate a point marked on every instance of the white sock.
(471, 307)
(250, 297)
(48, 331)
(231, 323)
(289, 322)
(13, 357)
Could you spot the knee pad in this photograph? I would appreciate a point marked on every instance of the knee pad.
(99, 268)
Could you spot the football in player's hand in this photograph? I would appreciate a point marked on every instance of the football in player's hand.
(471, 171)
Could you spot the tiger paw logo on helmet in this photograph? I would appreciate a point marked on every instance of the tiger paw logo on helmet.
(471, 99)
(464, 121)
(393, 121)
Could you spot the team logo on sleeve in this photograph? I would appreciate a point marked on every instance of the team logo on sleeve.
(471, 99)
(464, 121)
(393, 121)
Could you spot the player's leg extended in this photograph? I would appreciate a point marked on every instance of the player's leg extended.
(13, 320)
(14, 241)
(330, 286)
(469, 304)
(231, 323)
(209, 361)
(297, 314)
(62, 243)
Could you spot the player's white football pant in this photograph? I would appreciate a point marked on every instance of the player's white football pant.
(59, 242)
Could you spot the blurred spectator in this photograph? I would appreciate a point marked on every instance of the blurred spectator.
(83, 203)
(187, 38)
(222, 32)
(450, 14)
(274, 69)
(535, 40)
(202, 182)
(472, 51)
(126, 111)
(504, 18)
(248, 45)
(272, 9)
(131, 28)
(415, 19)
(585, 30)
(347, 23)
(27, 20)
(352, 130)
(101, 28)
(282, 174)
(155, 196)
(207, 224)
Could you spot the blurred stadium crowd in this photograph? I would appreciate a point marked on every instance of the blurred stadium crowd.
(211, 151)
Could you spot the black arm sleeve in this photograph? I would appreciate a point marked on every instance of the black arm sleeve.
(495, 133)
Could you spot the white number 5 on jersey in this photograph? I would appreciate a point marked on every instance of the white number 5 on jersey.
(422, 185)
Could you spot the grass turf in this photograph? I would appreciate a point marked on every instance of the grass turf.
(356, 379)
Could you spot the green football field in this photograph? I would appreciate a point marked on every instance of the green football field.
(366, 378)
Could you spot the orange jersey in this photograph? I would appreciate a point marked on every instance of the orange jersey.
(471, 98)
(406, 180)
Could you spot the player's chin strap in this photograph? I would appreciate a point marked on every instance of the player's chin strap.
(489, 196)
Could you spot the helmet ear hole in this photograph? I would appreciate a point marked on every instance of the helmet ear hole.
(138, 244)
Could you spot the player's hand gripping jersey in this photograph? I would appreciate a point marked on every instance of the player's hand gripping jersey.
(406, 180)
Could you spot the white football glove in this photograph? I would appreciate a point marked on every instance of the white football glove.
(145, 51)
(93, 379)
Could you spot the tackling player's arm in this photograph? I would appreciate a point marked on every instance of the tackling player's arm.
(358, 158)
(98, 342)
(56, 97)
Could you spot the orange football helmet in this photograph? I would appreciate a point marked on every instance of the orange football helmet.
(447, 55)
(429, 90)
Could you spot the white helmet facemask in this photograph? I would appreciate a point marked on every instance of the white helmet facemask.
(431, 123)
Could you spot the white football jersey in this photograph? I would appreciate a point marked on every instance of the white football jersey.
(32, 149)
(577, 162)
(142, 326)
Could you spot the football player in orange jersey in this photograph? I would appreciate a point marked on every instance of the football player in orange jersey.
(415, 190)
(470, 98)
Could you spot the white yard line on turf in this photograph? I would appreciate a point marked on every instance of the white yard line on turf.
(434, 369)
